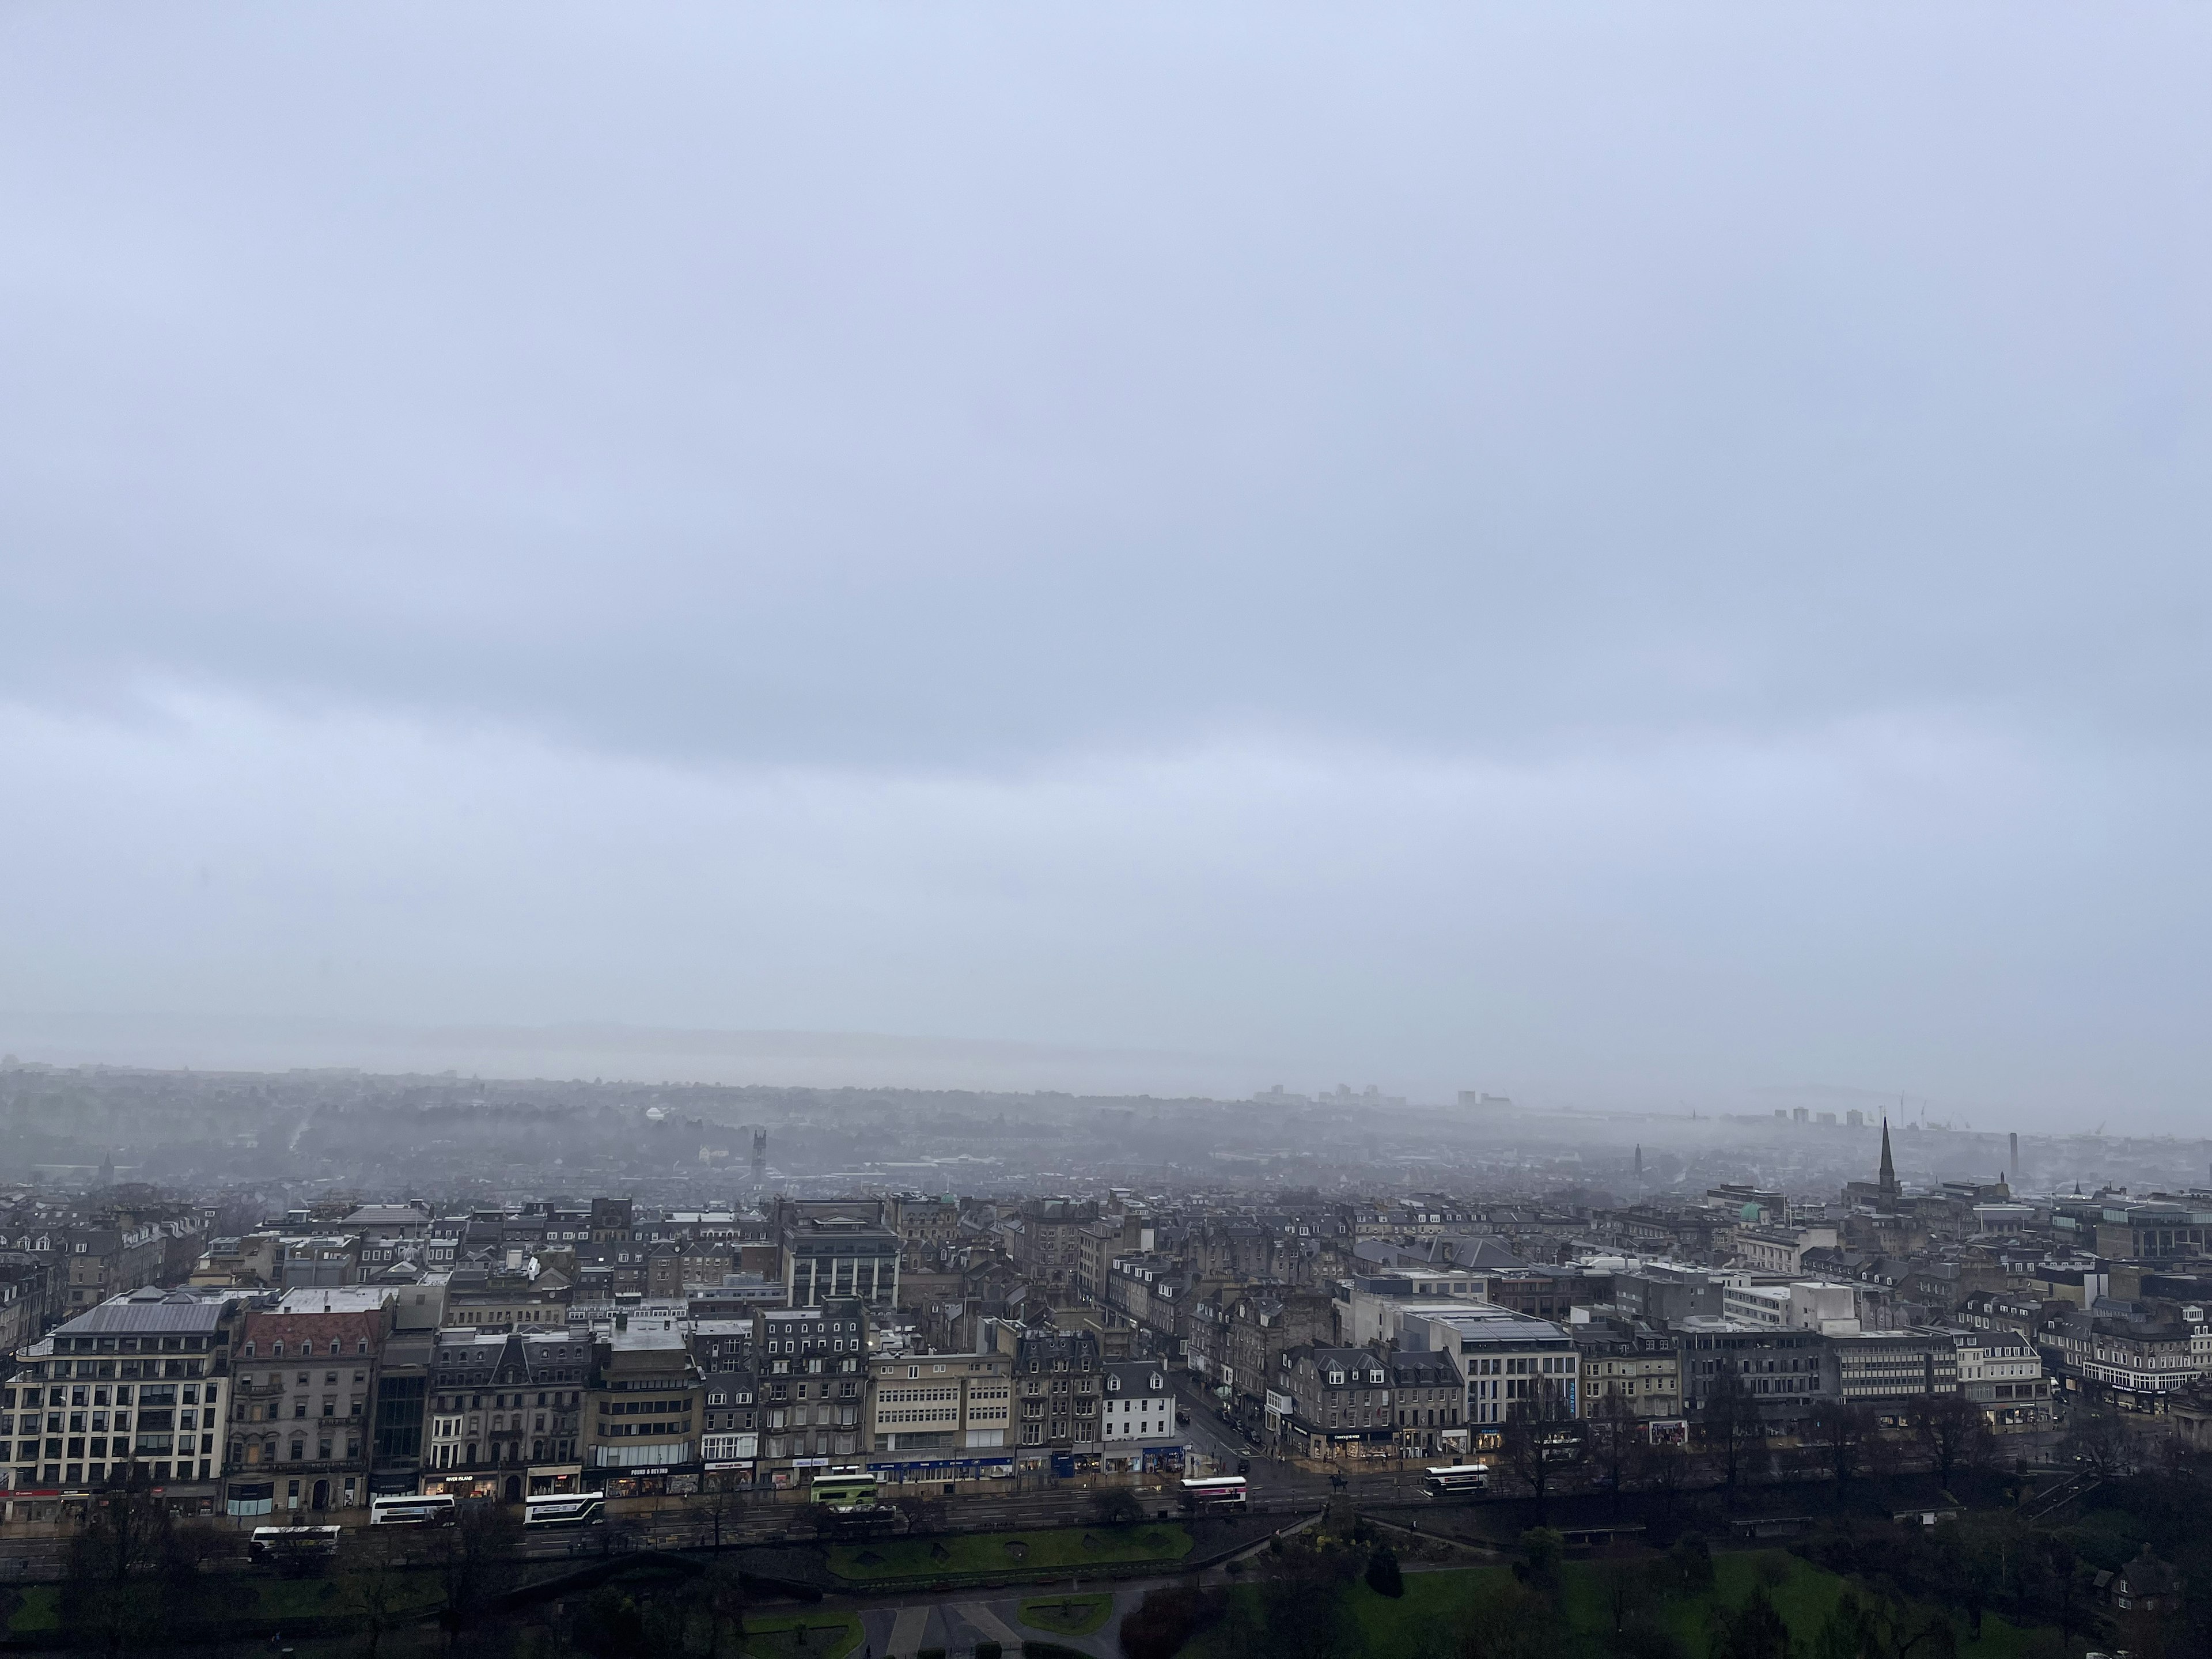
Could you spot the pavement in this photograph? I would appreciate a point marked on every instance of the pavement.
(956, 1622)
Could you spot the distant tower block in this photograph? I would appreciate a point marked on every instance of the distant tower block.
(2012, 1169)
(759, 1155)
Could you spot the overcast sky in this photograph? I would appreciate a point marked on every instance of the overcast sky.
(1619, 554)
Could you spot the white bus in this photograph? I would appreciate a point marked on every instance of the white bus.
(565, 1509)
(1223, 1492)
(411, 1510)
(1457, 1478)
(296, 1549)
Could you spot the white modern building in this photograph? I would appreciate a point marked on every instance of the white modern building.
(1504, 1356)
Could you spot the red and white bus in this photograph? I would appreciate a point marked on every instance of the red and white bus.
(1221, 1491)
(1456, 1479)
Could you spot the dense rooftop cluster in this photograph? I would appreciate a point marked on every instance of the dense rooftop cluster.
(364, 1343)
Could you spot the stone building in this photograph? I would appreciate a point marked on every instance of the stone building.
(501, 1402)
(300, 1405)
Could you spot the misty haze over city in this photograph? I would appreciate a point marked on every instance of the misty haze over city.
(1134, 831)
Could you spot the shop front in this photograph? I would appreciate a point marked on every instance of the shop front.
(941, 1470)
(249, 1496)
(676, 1481)
(1144, 1456)
(463, 1483)
(544, 1479)
(294, 1495)
(1354, 1443)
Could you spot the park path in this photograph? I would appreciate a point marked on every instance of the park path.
(955, 1623)
(955, 1619)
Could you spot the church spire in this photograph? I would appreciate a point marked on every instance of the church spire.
(1888, 1181)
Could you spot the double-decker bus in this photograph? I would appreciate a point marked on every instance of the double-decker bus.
(844, 1489)
(1220, 1492)
(293, 1549)
(1455, 1480)
(565, 1509)
(411, 1510)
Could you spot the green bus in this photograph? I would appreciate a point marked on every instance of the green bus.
(843, 1489)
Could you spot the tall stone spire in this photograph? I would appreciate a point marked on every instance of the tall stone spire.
(1888, 1181)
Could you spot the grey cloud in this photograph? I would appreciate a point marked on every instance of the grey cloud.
(965, 389)
(1605, 551)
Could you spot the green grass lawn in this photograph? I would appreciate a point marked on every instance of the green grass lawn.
(1438, 1601)
(1067, 1615)
(304, 1598)
(248, 1598)
(826, 1635)
(1067, 1550)
(1804, 1600)
(41, 1611)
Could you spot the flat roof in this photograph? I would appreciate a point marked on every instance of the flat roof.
(1485, 1323)
(177, 1311)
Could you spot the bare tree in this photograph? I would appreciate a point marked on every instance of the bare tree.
(722, 1588)
(2097, 1439)
(1542, 1441)
(114, 1595)
(1840, 1429)
(378, 1585)
(1610, 1436)
(1953, 1432)
(1116, 1506)
(1731, 1431)
(474, 1557)
(725, 1506)
(1662, 1468)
